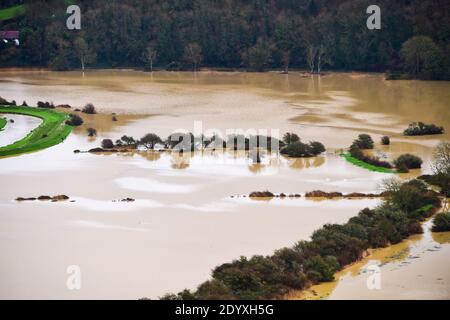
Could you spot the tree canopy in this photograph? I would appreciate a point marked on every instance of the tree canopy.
(251, 34)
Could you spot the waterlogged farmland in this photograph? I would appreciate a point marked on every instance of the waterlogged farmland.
(190, 209)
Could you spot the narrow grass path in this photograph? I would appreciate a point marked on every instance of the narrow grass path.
(365, 165)
(2, 123)
(52, 130)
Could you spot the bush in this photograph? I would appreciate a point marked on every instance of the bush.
(74, 120)
(316, 148)
(89, 109)
(441, 222)
(409, 161)
(300, 149)
(357, 153)
(47, 105)
(324, 268)
(420, 129)
(91, 132)
(364, 141)
(289, 138)
(385, 141)
(107, 144)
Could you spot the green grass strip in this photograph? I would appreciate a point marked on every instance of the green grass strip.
(50, 132)
(12, 12)
(365, 165)
(2, 123)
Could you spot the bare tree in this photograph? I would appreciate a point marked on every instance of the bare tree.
(286, 58)
(150, 55)
(311, 53)
(83, 52)
(441, 159)
(193, 54)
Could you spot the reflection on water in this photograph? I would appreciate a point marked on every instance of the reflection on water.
(263, 160)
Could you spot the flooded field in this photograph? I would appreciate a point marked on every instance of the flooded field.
(186, 218)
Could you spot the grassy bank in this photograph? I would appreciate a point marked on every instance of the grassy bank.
(2, 123)
(11, 12)
(365, 165)
(52, 130)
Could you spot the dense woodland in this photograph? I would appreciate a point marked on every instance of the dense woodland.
(314, 35)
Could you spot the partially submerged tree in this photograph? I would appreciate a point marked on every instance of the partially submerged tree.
(193, 54)
(83, 52)
(150, 56)
(150, 140)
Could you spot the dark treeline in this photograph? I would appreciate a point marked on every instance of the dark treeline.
(251, 34)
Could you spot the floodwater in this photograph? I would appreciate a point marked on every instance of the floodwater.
(189, 213)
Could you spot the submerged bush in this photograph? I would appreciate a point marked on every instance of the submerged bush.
(357, 153)
(74, 120)
(385, 141)
(300, 149)
(409, 161)
(364, 141)
(420, 129)
(47, 105)
(91, 132)
(441, 222)
(289, 138)
(89, 109)
(107, 144)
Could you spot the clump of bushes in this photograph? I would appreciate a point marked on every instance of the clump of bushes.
(89, 109)
(74, 120)
(330, 249)
(408, 161)
(441, 222)
(126, 141)
(420, 129)
(107, 144)
(385, 140)
(364, 141)
(357, 153)
(300, 149)
(46, 104)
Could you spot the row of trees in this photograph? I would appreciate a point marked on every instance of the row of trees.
(254, 34)
(330, 249)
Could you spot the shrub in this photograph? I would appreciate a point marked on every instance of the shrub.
(441, 222)
(420, 129)
(409, 161)
(385, 140)
(323, 268)
(107, 144)
(402, 168)
(300, 149)
(357, 153)
(91, 132)
(364, 141)
(47, 105)
(316, 148)
(89, 109)
(289, 138)
(74, 120)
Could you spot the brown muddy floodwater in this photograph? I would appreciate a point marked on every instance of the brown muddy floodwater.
(184, 220)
